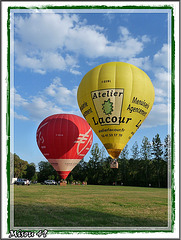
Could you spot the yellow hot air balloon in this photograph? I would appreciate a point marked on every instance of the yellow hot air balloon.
(115, 98)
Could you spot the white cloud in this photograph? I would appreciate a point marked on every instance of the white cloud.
(110, 16)
(45, 31)
(160, 95)
(124, 33)
(86, 40)
(53, 61)
(65, 96)
(75, 72)
(162, 76)
(145, 38)
(45, 39)
(40, 107)
(161, 80)
(55, 98)
(41, 37)
(41, 61)
(16, 99)
(161, 58)
(21, 117)
(161, 110)
(163, 84)
(125, 47)
(71, 61)
(26, 58)
(61, 94)
(42, 72)
(143, 63)
(159, 115)
(47, 42)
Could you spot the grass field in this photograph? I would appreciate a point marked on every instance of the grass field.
(89, 206)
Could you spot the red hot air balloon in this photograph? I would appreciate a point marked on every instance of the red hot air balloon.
(64, 139)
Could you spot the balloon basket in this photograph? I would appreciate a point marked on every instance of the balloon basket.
(114, 164)
(63, 183)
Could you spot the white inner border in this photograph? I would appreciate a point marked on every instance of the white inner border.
(4, 192)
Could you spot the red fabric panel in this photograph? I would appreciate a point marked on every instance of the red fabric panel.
(63, 174)
(64, 136)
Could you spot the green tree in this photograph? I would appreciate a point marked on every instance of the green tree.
(71, 178)
(123, 166)
(134, 172)
(145, 152)
(135, 151)
(108, 175)
(125, 152)
(30, 171)
(157, 148)
(46, 171)
(157, 152)
(35, 177)
(20, 166)
(94, 165)
(78, 173)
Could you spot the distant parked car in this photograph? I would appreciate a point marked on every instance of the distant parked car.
(50, 182)
(22, 181)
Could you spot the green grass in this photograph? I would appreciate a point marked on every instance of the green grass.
(89, 206)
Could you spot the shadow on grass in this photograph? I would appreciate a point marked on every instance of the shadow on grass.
(41, 215)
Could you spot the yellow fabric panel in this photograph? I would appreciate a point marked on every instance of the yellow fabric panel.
(115, 98)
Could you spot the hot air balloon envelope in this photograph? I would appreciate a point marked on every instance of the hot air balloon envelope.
(64, 139)
(115, 98)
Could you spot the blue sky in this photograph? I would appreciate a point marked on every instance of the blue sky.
(53, 49)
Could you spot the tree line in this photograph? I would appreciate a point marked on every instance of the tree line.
(147, 166)
(22, 169)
